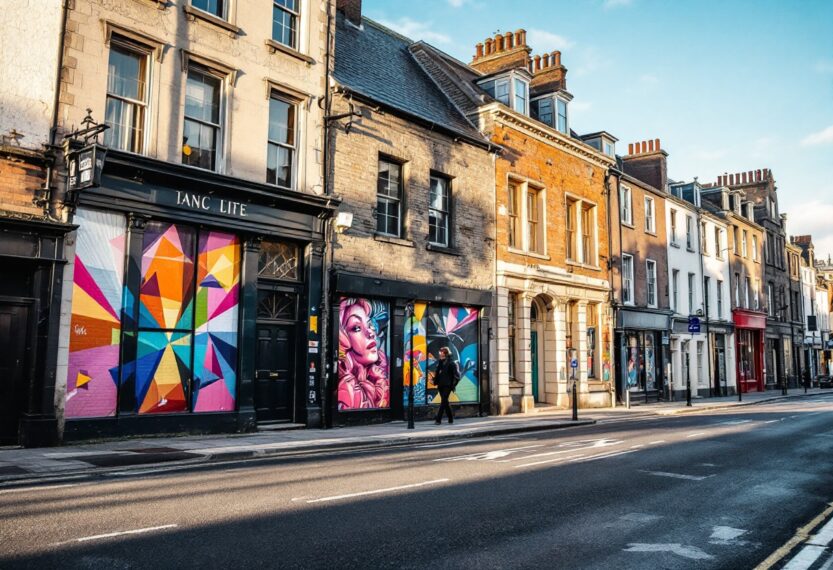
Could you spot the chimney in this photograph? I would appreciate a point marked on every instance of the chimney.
(352, 10)
(647, 162)
(501, 53)
(550, 76)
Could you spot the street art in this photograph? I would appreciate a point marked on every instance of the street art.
(363, 373)
(215, 321)
(95, 325)
(435, 327)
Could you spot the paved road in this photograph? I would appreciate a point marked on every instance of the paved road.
(711, 490)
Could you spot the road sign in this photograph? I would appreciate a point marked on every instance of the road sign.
(693, 325)
(574, 363)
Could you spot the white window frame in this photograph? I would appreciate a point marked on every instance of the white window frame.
(675, 290)
(651, 282)
(579, 205)
(650, 215)
(719, 296)
(508, 80)
(398, 199)
(221, 126)
(718, 242)
(673, 229)
(288, 99)
(692, 293)
(145, 51)
(224, 9)
(707, 285)
(445, 215)
(293, 14)
(522, 188)
(747, 285)
(757, 294)
(744, 243)
(626, 204)
(556, 115)
(627, 281)
(754, 247)
(689, 232)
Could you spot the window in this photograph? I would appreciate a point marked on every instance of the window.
(285, 22)
(700, 375)
(718, 247)
(673, 217)
(572, 238)
(675, 290)
(736, 240)
(202, 132)
(542, 111)
(563, 125)
(533, 221)
(691, 296)
(743, 250)
(512, 303)
(280, 158)
(627, 279)
(215, 7)
(689, 237)
(609, 149)
(770, 304)
(719, 292)
(704, 239)
(737, 289)
(389, 198)
(502, 91)
(757, 293)
(521, 96)
(746, 291)
(651, 278)
(592, 327)
(127, 98)
(650, 224)
(438, 211)
(569, 323)
(755, 248)
(512, 212)
(707, 284)
(588, 233)
(625, 205)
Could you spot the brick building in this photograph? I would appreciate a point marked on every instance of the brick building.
(417, 182)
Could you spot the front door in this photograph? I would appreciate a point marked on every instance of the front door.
(275, 373)
(13, 365)
(533, 349)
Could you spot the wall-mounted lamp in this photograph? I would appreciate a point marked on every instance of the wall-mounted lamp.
(343, 222)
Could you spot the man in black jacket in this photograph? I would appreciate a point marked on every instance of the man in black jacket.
(446, 377)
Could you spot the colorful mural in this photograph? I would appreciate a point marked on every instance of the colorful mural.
(363, 373)
(95, 325)
(215, 321)
(435, 327)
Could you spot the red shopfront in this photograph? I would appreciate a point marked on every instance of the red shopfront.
(749, 349)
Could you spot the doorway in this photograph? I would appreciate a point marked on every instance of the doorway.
(275, 373)
(720, 386)
(14, 337)
(533, 348)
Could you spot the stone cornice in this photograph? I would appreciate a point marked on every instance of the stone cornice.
(551, 275)
(505, 116)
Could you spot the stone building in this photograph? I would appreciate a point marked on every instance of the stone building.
(824, 269)
(413, 255)
(812, 345)
(748, 299)
(193, 296)
(639, 237)
(800, 371)
(33, 232)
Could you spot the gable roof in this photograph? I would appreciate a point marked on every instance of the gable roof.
(375, 63)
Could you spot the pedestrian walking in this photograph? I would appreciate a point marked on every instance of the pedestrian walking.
(446, 377)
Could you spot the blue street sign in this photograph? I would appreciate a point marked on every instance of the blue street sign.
(693, 325)
(574, 363)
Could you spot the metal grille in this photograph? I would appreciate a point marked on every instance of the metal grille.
(278, 260)
(277, 305)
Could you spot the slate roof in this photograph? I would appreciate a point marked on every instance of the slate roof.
(375, 63)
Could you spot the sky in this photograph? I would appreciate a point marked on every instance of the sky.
(728, 86)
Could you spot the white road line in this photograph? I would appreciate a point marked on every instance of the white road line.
(444, 444)
(805, 558)
(565, 459)
(376, 491)
(656, 442)
(119, 533)
(603, 456)
(638, 446)
(489, 454)
(824, 536)
(771, 421)
(696, 434)
(679, 475)
(33, 489)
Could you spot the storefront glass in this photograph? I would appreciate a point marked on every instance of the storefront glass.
(746, 354)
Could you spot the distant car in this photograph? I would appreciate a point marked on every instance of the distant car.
(825, 381)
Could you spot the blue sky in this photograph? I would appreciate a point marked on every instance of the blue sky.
(727, 86)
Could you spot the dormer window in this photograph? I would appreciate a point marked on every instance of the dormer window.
(511, 89)
(562, 125)
(552, 111)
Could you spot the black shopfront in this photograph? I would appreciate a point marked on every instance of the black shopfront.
(196, 303)
(385, 333)
(642, 351)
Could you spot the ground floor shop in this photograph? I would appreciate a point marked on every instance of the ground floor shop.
(553, 327)
(385, 338)
(194, 306)
(780, 357)
(690, 363)
(750, 349)
(642, 355)
(720, 339)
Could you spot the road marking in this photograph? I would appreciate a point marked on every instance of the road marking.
(771, 421)
(376, 491)
(43, 488)
(565, 459)
(696, 434)
(824, 536)
(637, 446)
(444, 444)
(727, 535)
(690, 552)
(734, 422)
(603, 456)
(679, 475)
(119, 533)
(800, 535)
(486, 455)
(656, 442)
(805, 558)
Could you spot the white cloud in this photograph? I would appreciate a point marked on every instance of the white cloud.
(813, 218)
(610, 4)
(542, 41)
(824, 136)
(416, 30)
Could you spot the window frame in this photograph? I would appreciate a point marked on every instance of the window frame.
(675, 290)
(692, 293)
(626, 204)
(651, 283)
(719, 297)
(538, 224)
(296, 16)
(223, 9)
(755, 256)
(689, 232)
(718, 246)
(744, 243)
(221, 126)
(512, 211)
(125, 44)
(294, 103)
(650, 218)
(447, 213)
(707, 285)
(627, 281)
(398, 199)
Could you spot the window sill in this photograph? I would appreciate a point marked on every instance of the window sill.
(384, 238)
(674, 244)
(277, 46)
(651, 232)
(629, 225)
(442, 249)
(689, 249)
(528, 253)
(583, 265)
(198, 14)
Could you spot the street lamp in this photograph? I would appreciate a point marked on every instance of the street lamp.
(410, 310)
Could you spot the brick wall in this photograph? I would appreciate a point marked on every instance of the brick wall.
(355, 165)
(18, 181)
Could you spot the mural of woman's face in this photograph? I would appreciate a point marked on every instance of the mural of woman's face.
(361, 333)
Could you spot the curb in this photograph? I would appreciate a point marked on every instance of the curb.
(707, 407)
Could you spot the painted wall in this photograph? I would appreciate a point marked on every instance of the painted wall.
(363, 354)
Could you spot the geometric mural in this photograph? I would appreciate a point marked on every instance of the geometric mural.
(163, 361)
(167, 290)
(435, 327)
(363, 374)
(215, 322)
(95, 325)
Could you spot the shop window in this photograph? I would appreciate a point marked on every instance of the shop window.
(279, 260)
(439, 211)
(202, 131)
(281, 147)
(285, 22)
(592, 330)
(127, 97)
(700, 374)
(389, 198)
(277, 305)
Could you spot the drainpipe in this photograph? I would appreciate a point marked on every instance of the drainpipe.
(611, 296)
(51, 206)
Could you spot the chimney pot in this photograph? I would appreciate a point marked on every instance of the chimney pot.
(478, 51)
(556, 58)
(630, 148)
(537, 63)
(651, 146)
(519, 38)
(656, 143)
(644, 147)
(545, 60)
(507, 39)
(490, 46)
(499, 43)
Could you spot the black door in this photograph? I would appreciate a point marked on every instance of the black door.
(275, 372)
(13, 365)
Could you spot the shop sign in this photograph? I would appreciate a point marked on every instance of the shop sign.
(693, 325)
(213, 204)
(666, 338)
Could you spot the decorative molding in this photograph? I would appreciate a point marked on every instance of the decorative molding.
(272, 85)
(279, 47)
(194, 14)
(148, 42)
(214, 65)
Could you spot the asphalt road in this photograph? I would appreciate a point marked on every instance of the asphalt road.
(721, 489)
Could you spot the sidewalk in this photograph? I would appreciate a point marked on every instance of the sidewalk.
(43, 463)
